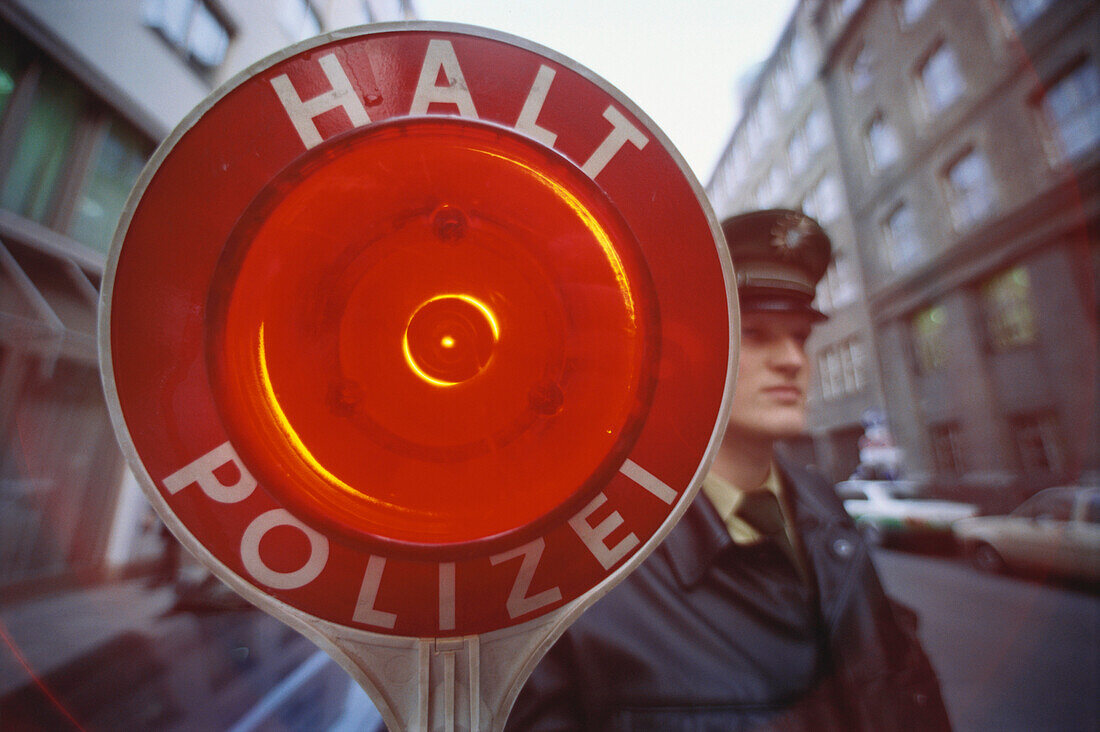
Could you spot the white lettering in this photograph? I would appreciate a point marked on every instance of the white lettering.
(202, 472)
(622, 131)
(595, 536)
(368, 593)
(518, 602)
(302, 113)
(532, 107)
(447, 596)
(647, 480)
(441, 54)
(254, 563)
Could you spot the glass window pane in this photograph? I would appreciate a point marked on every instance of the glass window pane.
(12, 64)
(859, 362)
(42, 147)
(929, 339)
(298, 19)
(1010, 317)
(817, 130)
(883, 144)
(171, 17)
(208, 39)
(1026, 11)
(1073, 106)
(861, 69)
(118, 161)
(912, 10)
(802, 59)
(971, 186)
(942, 80)
(904, 238)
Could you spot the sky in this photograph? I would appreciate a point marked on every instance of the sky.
(680, 61)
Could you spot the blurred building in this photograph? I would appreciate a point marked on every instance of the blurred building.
(951, 150)
(87, 90)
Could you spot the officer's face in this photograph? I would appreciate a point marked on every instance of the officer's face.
(772, 376)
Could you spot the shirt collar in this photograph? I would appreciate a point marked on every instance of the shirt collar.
(727, 498)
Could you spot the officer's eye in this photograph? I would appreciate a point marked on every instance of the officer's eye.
(753, 334)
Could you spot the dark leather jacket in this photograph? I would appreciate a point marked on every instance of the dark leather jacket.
(710, 635)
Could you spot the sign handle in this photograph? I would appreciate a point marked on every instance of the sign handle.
(441, 684)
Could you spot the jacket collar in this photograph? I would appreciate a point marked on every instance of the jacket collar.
(696, 541)
(701, 536)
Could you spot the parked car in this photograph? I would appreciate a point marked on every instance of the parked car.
(890, 512)
(1056, 531)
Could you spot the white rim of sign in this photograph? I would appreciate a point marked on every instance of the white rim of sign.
(473, 678)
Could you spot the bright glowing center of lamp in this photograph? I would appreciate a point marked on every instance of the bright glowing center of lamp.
(450, 339)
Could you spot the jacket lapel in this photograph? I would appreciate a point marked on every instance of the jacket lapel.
(833, 548)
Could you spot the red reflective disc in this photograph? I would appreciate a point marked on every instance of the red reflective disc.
(418, 329)
(486, 282)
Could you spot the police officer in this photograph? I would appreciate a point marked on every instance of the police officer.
(761, 609)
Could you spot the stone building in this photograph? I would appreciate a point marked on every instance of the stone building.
(964, 137)
(86, 92)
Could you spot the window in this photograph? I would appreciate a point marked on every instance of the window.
(845, 284)
(1025, 11)
(842, 369)
(858, 355)
(785, 88)
(940, 79)
(903, 238)
(1092, 508)
(947, 448)
(193, 28)
(859, 74)
(883, 148)
(38, 162)
(1053, 503)
(817, 130)
(823, 202)
(913, 10)
(1072, 106)
(840, 279)
(67, 164)
(930, 339)
(12, 64)
(1038, 443)
(1009, 316)
(970, 189)
(298, 19)
(802, 59)
(798, 153)
(774, 186)
(847, 7)
(120, 157)
(832, 374)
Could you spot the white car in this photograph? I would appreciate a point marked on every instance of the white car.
(889, 511)
(1056, 531)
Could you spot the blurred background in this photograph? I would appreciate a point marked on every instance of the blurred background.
(949, 147)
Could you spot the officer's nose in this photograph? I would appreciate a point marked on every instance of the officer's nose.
(789, 355)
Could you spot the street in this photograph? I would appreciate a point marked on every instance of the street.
(1012, 654)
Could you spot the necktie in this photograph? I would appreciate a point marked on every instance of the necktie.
(761, 511)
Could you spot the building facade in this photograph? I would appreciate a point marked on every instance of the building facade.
(965, 137)
(87, 90)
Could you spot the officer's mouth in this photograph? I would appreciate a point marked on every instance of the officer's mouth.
(784, 394)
